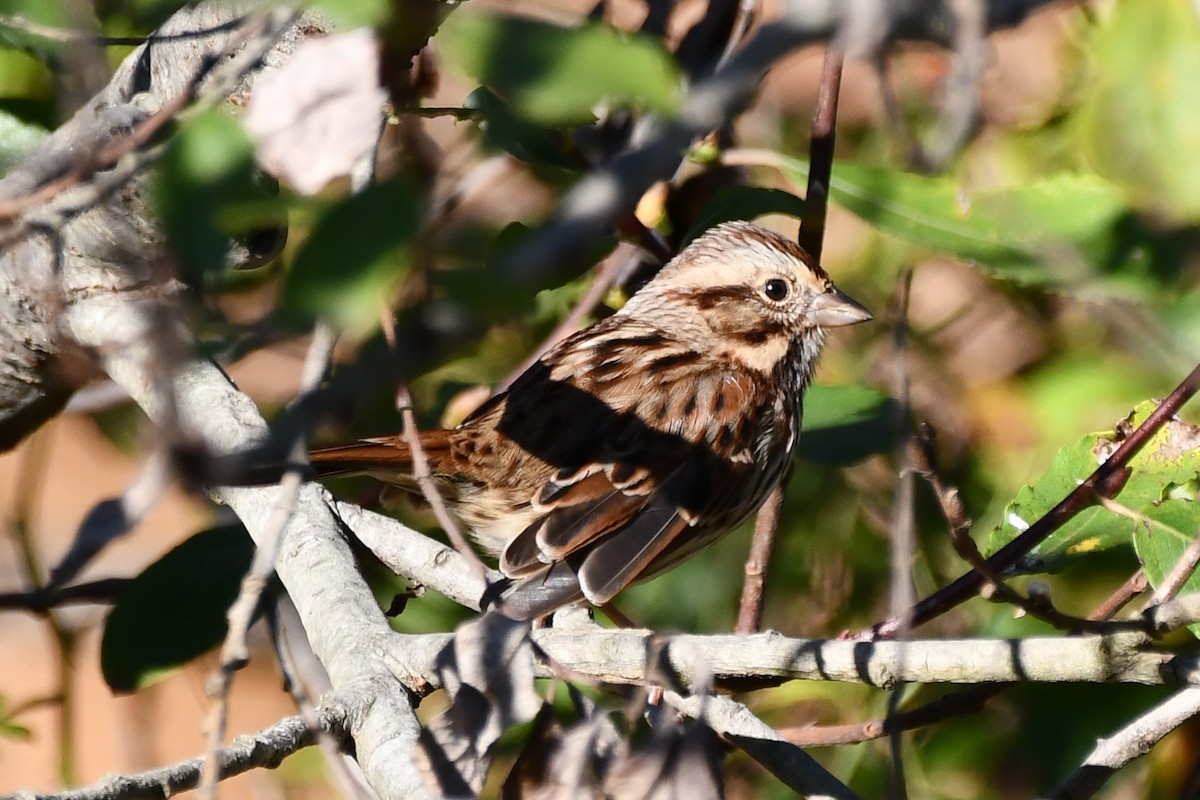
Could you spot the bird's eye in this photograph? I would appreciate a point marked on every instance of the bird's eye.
(776, 289)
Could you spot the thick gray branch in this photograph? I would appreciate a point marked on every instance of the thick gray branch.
(620, 656)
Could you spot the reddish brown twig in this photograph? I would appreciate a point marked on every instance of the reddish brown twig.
(765, 526)
(1106, 481)
(820, 155)
(812, 232)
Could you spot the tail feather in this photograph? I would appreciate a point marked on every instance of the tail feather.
(390, 456)
(541, 594)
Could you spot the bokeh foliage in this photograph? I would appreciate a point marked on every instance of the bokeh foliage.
(1079, 225)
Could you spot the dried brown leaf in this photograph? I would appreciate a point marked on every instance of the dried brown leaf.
(317, 115)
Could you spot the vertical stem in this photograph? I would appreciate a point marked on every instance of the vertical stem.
(27, 493)
(812, 232)
(824, 136)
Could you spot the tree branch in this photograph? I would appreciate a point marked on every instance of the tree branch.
(266, 748)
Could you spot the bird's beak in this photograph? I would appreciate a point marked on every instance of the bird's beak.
(832, 309)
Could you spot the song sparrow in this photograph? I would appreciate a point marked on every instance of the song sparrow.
(642, 438)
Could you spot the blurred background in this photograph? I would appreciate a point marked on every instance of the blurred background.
(1053, 260)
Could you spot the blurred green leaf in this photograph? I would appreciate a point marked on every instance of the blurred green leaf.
(24, 24)
(9, 727)
(348, 14)
(1140, 117)
(845, 424)
(17, 140)
(520, 138)
(208, 190)
(555, 76)
(1064, 231)
(355, 258)
(743, 202)
(1160, 492)
(142, 15)
(175, 610)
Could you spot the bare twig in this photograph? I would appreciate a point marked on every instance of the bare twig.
(267, 749)
(424, 479)
(306, 680)
(104, 590)
(785, 761)
(960, 88)
(902, 525)
(811, 238)
(28, 491)
(235, 652)
(746, 12)
(824, 136)
(606, 275)
(1179, 574)
(766, 525)
(1137, 584)
(257, 38)
(1106, 481)
(57, 34)
(1130, 742)
(620, 656)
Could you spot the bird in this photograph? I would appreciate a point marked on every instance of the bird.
(640, 439)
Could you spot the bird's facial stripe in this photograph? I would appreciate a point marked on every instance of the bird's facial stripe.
(710, 297)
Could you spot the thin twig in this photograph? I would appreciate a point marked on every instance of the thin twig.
(811, 237)
(820, 153)
(305, 679)
(267, 749)
(606, 275)
(56, 34)
(902, 525)
(1137, 584)
(1132, 741)
(424, 479)
(746, 13)
(737, 723)
(235, 652)
(30, 482)
(104, 590)
(766, 525)
(1107, 480)
(1179, 574)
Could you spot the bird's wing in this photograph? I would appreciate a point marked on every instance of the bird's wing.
(653, 458)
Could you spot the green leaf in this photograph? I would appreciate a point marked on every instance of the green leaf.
(522, 139)
(348, 14)
(1161, 539)
(354, 259)
(17, 140)
(845, 424)
(1160, 489)
(209, 190)
(743, 202)
(9, 727)
(555, 76)
(175, 610)
(1140, 118)
(40, 15)
(1066, 230)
